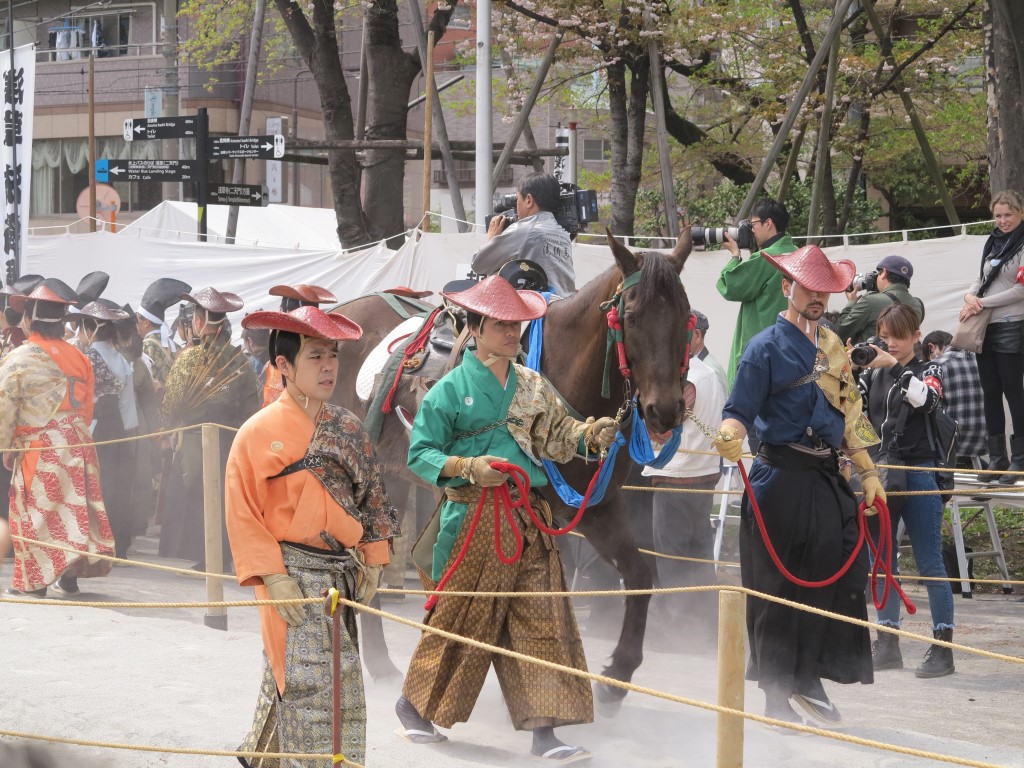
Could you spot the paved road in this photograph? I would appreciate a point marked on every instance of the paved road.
(163, 678)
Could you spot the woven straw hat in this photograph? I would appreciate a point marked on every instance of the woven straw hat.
(810, 267)
(213, 300)
(495, 297)
(305, 321)
(309, 294)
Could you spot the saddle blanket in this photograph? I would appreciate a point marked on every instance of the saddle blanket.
(376, 360)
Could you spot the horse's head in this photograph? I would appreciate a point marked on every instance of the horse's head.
(654, 316)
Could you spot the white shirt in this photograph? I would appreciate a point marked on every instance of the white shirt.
(708, 410)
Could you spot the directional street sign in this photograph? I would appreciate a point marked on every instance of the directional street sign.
(144, 170)
(248, 147)
(238, 194)
(183, 127)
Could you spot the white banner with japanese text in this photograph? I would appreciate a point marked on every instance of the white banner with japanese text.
(19, 78)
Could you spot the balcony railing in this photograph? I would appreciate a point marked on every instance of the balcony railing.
(467, 176)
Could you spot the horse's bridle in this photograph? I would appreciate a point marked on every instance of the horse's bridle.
(614, 308)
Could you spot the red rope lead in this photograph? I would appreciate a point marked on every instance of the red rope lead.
(884, 545)
(501, 500)
(417, 344)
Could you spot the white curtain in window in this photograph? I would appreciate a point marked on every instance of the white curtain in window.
(46, 157)
(76, 152)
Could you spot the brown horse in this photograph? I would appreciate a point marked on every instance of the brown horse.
(654, 321)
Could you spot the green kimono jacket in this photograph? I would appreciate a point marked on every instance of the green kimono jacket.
(757, 285)
(466, 401)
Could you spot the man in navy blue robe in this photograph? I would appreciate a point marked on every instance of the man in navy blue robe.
(795, 387)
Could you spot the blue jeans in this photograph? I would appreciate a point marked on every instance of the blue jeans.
(923, 517)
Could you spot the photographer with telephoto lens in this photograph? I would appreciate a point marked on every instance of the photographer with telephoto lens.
(889, 284)
(534, 235)
(903, 394)
(754, 283)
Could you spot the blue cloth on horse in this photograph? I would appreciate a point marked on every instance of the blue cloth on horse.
(641, 450)
(640, 443)
(566, 492)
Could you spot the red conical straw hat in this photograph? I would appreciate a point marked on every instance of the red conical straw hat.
(304, 292)
(305, 321)
(495, 297)
(810, 267)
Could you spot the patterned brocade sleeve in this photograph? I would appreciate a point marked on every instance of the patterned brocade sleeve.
(105, 381)
(376, 512)
(553, 434)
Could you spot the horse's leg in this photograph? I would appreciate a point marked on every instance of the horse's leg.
(375, 648)
(609, 532)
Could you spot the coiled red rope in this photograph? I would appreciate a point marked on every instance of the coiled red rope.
(502, 503)
(881, 552)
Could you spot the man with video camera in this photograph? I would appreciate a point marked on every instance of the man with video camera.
(755, 283)
(534, 235)
(889, 284)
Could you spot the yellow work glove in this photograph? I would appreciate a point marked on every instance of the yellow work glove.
(367, 583)
(868, 480)
(479, 472)
(281, 586)
(601, 434)
(729, 444)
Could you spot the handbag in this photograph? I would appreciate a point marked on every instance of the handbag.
(970, 333)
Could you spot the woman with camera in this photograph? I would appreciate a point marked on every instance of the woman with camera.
(1001, 360)
(901, 393)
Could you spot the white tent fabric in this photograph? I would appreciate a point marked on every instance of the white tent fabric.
(944, 267)
(274, 225)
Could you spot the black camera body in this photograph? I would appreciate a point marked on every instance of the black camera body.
(575, 210)
(862, 354)
(864, 282)
(743, 234)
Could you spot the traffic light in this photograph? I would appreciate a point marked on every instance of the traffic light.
(11, 276)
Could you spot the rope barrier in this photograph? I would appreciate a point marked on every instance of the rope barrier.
(546, 664)
(603, 679)
(132, 439)
(594, 593)
(174, 750)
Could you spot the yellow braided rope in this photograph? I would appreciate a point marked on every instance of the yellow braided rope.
(447, 593)
(586, 675)
(554, 667)
(229, 577)
(111, 558)
(175, 750)
(132, 439)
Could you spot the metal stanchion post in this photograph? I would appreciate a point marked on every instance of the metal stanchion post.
(212, 495)
(731, 631)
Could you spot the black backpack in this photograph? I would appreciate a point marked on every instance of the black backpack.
(943, 434)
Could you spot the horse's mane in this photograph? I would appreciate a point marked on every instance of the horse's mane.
(659, 279)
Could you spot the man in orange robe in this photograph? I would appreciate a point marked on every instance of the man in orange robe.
(306, 511)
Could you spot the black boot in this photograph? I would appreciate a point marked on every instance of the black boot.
(938, 660)
(997, 460)
(885, 652)
(1016, 461)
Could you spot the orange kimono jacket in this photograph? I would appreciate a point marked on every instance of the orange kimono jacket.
(347, 500)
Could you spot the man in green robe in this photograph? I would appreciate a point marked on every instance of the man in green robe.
(755, 283)
(491, 410)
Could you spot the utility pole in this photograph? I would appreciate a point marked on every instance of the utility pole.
(428, 117)
(169, 38)
(483, 113)
(238, 171)
(92, 141)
